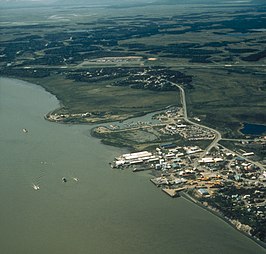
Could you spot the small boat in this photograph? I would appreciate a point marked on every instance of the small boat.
(24, 130)
(75, 179)
(64, 179)
(139, 169)
(35, 187)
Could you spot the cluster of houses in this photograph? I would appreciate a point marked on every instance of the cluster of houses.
(175, 124)
(175, 167)
(188, 131)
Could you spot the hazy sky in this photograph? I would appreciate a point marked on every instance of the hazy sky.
(78, 1)
(120, 1)
(113, 1)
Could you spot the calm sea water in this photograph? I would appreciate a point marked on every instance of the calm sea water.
(106, 211)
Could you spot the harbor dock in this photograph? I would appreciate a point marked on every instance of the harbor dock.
(173, 192)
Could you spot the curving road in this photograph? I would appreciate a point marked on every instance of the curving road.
(217, 134)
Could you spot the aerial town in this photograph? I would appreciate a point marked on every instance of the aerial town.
(155, 139)
(229, 182)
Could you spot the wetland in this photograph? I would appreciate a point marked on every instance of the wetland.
(114, 60)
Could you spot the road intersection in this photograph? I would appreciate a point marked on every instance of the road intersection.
(218, 135)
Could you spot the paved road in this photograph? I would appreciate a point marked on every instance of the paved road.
(243, 140)
(183, 66)
(243, 157)
(217, 134)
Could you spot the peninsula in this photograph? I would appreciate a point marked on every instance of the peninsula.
(230, 182)
(173, 84)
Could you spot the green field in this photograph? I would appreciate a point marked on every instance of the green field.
(117, 64)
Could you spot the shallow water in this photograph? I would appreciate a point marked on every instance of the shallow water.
(106, 211)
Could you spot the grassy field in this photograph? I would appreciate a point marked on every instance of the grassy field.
(101, 97)
(226, 102)
(220, 55)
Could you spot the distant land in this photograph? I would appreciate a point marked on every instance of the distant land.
(131, 3)
(82, 52)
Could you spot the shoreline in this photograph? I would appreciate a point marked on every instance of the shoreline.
(116, 119)
(61, 105)
(182, 193)
(222, 217)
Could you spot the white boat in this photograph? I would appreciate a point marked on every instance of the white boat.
(24, 130)
(75, 179)
(35, 187)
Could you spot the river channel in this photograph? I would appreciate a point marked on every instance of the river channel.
(106, 211)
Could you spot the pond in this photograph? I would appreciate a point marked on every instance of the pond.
(253, 129)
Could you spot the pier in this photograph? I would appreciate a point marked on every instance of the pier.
(173, 193)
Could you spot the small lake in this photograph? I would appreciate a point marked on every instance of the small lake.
(253, 129)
